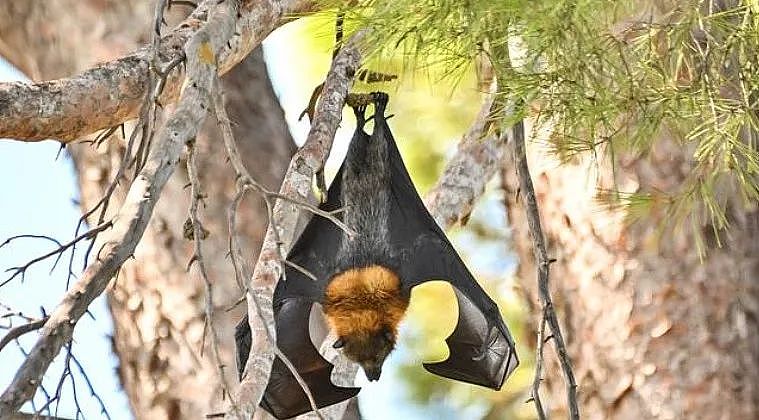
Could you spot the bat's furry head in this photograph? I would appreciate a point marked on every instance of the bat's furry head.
(364, 307)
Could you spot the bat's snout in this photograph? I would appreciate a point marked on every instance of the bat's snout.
(373, 374)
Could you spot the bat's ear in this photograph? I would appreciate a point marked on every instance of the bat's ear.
(339, 343)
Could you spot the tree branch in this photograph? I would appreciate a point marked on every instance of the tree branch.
(296, 185)
(543, 263)
(463, 181)
(198, 234)
(201, 50)
(110, 94)
(21, 330)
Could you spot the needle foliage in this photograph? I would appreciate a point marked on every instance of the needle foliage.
(606, 78)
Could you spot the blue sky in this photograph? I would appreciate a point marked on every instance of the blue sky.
(39, 197)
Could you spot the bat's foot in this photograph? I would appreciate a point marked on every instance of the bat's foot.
(380, 102)
(360, 112)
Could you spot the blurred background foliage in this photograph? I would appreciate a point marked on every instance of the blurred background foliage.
(431, 112)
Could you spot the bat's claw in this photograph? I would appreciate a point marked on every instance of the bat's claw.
(360, 112)
(380, 102)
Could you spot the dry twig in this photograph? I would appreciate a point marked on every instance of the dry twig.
(543, 266)
(17, 332)
(21, 270)
(196, 198)
(538, 378)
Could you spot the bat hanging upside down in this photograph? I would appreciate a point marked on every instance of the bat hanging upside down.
(364, 282)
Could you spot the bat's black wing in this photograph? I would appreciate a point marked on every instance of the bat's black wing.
(314, 251)
(482, 351)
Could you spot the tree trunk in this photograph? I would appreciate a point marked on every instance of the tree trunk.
(166, 364)
(653, 332)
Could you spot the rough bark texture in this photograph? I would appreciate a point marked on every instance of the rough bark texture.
(157, 305)
(108, 94)
(652, 331)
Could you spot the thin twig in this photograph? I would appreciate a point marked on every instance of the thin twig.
(538, 378)
(59, 388)
(27, 236)
(242, 271)
(543, 266)
(244, 176)
(87, 381)
(62, 248)
(67, 373)
(196, 198)
(10, 312)
(21, 330)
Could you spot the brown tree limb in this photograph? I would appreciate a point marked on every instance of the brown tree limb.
(111, 93)
(279, 236)
(129, 224)
(543, 266)
(463, 181)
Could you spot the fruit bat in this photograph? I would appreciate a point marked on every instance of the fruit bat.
(364, 281)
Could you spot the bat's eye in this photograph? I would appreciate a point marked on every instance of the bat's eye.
(339, 343)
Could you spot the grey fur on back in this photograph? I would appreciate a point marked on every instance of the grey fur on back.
(365, 197)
